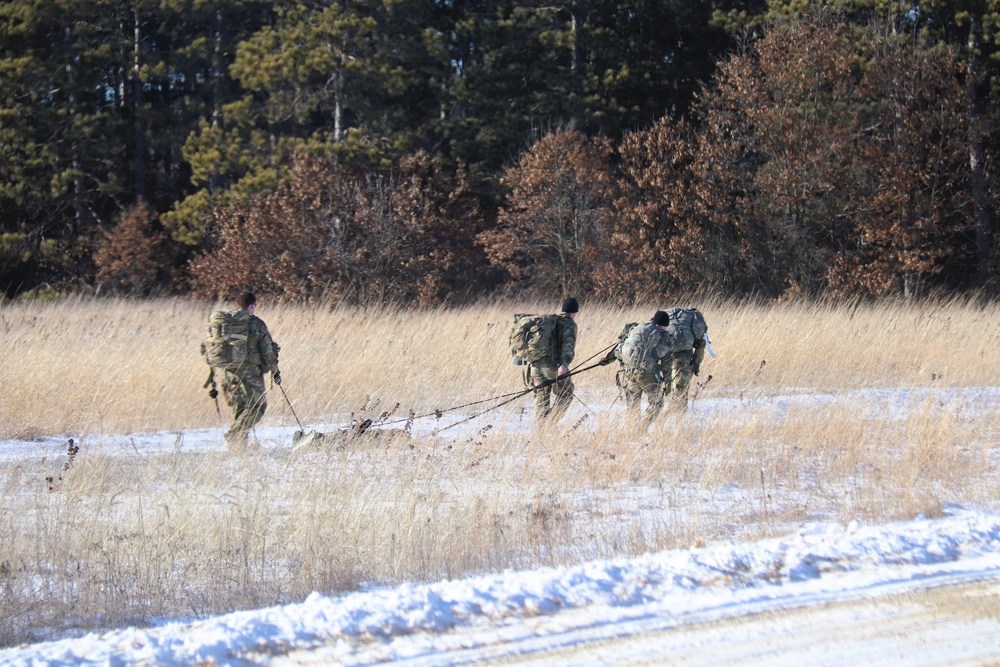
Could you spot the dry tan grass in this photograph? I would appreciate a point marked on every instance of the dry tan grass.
(104, 538)
(125, 366)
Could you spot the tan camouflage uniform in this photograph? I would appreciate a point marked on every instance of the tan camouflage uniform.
(547, 369)
(645, 376)
(686, 364)
(243, 388)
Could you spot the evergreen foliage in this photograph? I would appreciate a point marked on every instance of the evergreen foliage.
(432, 151)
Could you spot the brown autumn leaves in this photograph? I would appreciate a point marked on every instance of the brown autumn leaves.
(826, 159)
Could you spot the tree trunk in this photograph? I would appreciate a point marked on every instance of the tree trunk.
(213, 181)
(338, 104)
(982, 223)
(79, 207)
(139, 120)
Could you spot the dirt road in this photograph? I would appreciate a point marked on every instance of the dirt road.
(951, 625)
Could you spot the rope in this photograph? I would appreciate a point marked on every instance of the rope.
(589, 409)
(519, 395)
(509, 400)
(510, 397)
(301, 427)
(438, 413)
(513, 395)
(599, 352)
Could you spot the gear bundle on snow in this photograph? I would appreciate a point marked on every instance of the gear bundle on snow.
(302, 440)
(531, 338)
(226, 345)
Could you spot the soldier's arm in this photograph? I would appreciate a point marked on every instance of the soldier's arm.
(568, 342)
(699, 354)
(665, 367)
(268, 350)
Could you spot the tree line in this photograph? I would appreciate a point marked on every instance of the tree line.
(434, 151)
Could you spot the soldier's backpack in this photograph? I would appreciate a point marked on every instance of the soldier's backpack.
(226, 345)
(621, 340)
(532, 338)
(686, 326)
(636, 346)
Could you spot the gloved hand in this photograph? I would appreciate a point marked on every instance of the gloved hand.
(213, 393)
(696, 368)
(276, 377)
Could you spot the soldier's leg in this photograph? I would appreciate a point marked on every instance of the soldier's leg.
(651, 386)
(237, 398)
(680, 380)
(540, 375)
(633, 394)
(563, 392)
(248, 402)
(256, 404)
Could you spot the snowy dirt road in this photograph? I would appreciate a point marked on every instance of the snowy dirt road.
(918, 618)
(951, 625)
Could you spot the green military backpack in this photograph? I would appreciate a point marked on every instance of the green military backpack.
(226, 345)
(621, 340)
(637, 344)
(686, 326)
(531, 338)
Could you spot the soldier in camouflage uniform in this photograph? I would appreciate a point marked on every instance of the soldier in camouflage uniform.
(554, 366)
(690, 334)
(645, 357)
(243, 388)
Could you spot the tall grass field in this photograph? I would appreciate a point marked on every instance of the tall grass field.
(811, 412)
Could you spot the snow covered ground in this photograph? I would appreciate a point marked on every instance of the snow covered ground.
(818, 595)
(569, 615)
